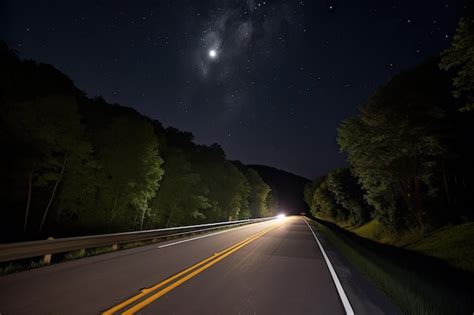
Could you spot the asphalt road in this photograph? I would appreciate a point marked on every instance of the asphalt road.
(274, 267)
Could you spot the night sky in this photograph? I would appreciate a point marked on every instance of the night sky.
(268, 80)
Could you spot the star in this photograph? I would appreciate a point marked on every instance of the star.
(212, 53)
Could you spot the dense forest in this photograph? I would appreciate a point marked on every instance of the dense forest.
(287, 188)
(409, 150)
(75, 165)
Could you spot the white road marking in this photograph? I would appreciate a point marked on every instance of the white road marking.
(206, 235)
(340, 290)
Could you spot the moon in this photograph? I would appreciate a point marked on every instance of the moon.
(212, 53)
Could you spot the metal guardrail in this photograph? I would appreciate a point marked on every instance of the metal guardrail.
(15, 251)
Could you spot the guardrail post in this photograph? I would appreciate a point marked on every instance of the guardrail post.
(47, 258)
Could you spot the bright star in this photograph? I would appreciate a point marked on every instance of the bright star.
(212, 53)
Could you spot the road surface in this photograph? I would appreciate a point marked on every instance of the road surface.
(274, 267)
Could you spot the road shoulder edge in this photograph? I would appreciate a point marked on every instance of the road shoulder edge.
(340, 290)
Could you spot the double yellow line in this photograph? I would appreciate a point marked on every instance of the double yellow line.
(147, 294)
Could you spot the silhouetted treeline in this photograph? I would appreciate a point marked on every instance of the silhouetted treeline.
(286, 187)
(409, 149)
(73, 165)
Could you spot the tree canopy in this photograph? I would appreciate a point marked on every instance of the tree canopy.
(460, 58)
(75, 165)
(409, 150)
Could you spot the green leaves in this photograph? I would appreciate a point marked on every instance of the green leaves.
(460, 57)
(338, 198)
(396, 143)
(128, 156)
(258, 194)
(348, 194)
(181, 198)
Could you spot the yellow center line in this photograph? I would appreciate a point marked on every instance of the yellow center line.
(146, 291)
(167, 289)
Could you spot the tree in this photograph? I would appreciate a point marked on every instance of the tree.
(460, 56)
(42, 132)
(395, 144)
(245, 211)
(259, 191)
(182, 197)
(348, 194)
(308, 193)
(131, 170)
(52, 127)
(255, 194)
(272, 203)
(226, 183)
(7, 54)
(324, 206)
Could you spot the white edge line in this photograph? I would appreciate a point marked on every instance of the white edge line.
(340, 290)
(207, 235)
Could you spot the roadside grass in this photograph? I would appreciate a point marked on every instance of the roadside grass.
(13, 267)
(81, 253)
(135, 244)
(416, 283)
(372, 230)
(75, 254)
(454, 244)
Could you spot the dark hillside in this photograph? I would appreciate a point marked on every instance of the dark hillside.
(287, 186)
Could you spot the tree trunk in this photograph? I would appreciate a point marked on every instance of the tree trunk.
(53, 192)
(169, 219)
(171, 212)
(418, 201)
(142, 219)
(404, 192)
(114, 204)
(59, 209)
(446, 188)
(30, 180)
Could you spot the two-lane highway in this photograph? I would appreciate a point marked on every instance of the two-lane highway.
(273, 267)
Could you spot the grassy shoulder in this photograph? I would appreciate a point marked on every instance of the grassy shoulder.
(453, 244)
(417, 283)
(375, 231)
